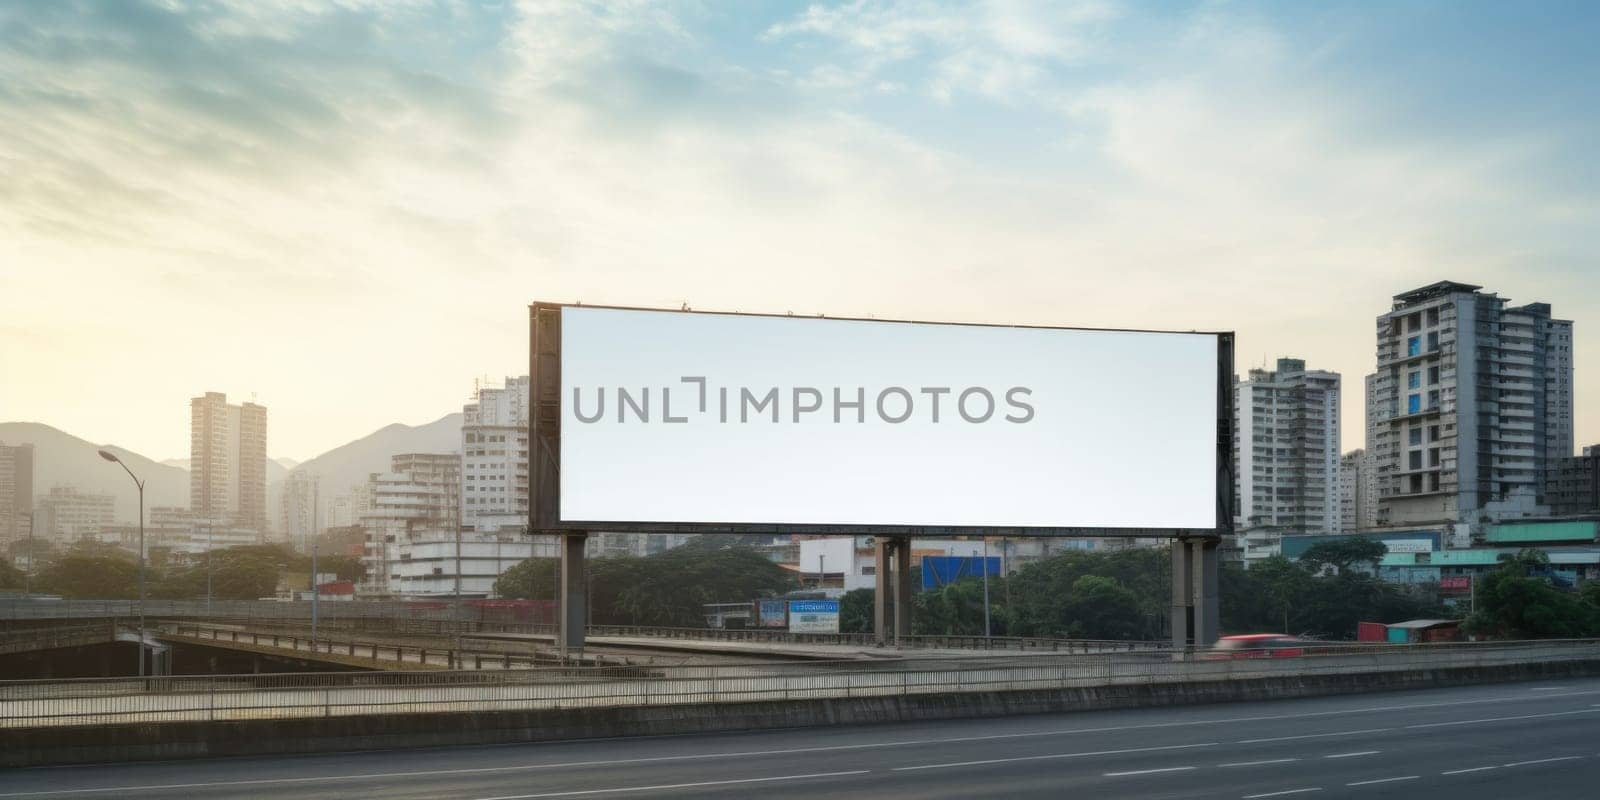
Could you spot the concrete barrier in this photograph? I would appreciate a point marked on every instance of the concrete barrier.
(54, 746)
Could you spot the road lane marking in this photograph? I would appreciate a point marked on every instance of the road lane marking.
(1284, 792)
(1313, 736)
(1384, 780)
(1470, 769)
(667, 786)
(1014, 759)
(1259, 763)
(1503, 719)
(1543, 761)
(1146, 771)
(1353, 755)
(787, 751)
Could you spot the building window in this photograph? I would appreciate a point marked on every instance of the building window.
(1414, 380)
(1433, 341)
(1414, 346)
(1415, 435)
(1433, 376)
(1414, 404)
(1416, 459)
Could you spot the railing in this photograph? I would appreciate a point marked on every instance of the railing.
(39, 704)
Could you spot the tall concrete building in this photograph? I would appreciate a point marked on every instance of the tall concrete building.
(1352, 487)
(228, 462)
(494, 458)
(1470, 408)
(297, 509)
(1573, 486)
(1286, 450)
(16, 491)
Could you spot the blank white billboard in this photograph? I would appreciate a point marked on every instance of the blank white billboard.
(672, 417)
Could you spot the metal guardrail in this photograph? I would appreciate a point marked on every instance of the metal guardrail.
(39, 704)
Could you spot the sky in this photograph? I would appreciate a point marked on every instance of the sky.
(343, 209)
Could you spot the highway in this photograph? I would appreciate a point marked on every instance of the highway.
(1520, 740)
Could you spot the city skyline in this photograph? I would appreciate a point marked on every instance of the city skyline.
(307, 204)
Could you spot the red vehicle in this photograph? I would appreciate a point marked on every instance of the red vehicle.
(1258, 645)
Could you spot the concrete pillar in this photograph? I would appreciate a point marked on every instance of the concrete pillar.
(1182, 596)
(1196, 615)
(1203, 576)
(880, 600)
(902, 588)
(573, 616)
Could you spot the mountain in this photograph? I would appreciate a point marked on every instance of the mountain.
(349, 465)
(61, 459)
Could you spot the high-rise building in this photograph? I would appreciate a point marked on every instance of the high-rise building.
(16, 491)
(1471, 405)
(1286, 453)
(67, 515)
(228, 463)
(1574, 484)
(1352, 486)
(494, 458)
(297, 512)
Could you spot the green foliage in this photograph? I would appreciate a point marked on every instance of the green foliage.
(1515, 602)
(1049, 598)
(667, 589)
(1344, 553)
(113, 576)
(10, 576)
(856, 610)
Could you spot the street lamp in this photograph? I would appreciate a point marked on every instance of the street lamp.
(109, 456)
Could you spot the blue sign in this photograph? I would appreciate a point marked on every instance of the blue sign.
(814, 616)
(942, 570)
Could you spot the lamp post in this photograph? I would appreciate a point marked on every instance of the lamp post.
(985, 587)
(109, 456)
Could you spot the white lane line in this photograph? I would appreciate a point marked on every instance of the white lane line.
(794, 750)
(1543, 761)
(1469, 769)
(1353, 755)
(1015, 759)
(1284, 792)
(1313, 736)
(1504, 719)
(1259, 763)
(666, 786)
(1146, 771)
(1384, 780)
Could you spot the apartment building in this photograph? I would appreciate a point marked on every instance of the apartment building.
(228, 463)
(67, 515)
(16, 491)
(1471, 406)
(1286, 452)
(494, 458)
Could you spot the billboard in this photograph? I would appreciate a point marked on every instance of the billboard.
(943, 570)
(813, 616)
(771, 614)
(670, 420)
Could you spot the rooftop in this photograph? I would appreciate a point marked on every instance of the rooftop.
(1433, 290)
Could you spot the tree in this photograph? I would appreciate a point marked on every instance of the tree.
(10, 576)
(1517, 602)
(1343, 553)
(856, 609)
(111, 577)
(669, 588)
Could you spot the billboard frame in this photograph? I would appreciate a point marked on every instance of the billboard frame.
(544, 444)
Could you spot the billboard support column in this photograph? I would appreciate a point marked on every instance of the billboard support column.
(880, 595)
(902, 588)
(574, 611)
(1203, 568)
(1182, 597)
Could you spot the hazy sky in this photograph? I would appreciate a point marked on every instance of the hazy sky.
(344, 209)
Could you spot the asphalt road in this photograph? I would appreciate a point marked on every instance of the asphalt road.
(1506, 742)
